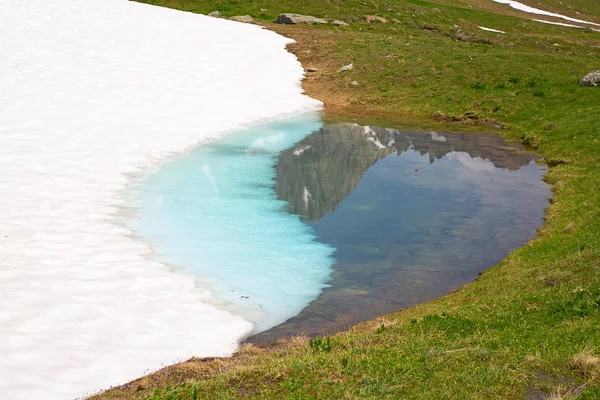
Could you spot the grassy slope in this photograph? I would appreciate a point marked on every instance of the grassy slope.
(514, 331)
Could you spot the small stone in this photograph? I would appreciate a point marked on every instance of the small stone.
(288, 18)
(346, 67)
(435, 10)
(215, 14)
(354, 83)
(375, 18)
(312, 69)
(243, 18)
(590, 79)
(339, 23)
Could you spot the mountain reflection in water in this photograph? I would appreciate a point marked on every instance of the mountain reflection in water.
(412, 215)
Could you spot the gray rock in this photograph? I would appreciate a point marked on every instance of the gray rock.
(243, 18)
(312, 69)
(590, 79)
(354, 83)
(215, 14)
(339, 23)
(347, 67)
(299, 19)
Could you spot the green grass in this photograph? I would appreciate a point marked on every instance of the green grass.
(513, 332)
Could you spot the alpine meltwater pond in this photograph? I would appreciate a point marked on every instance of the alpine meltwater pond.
(305, 228)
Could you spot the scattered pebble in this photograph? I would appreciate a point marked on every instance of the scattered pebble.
(339, 23)
(312, 69)
(215, 14)
(354, 83)
(346, 67)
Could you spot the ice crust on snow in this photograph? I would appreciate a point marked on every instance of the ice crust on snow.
(92, 92)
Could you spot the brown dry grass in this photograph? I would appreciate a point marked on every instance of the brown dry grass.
(586, 363)
(197, 369)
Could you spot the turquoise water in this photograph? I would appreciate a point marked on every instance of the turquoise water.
(305, 228)
(214, 213)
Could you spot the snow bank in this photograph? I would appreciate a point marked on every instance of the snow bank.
(532, 10)
(92, 91)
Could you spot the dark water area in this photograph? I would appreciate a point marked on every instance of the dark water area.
(412, 215)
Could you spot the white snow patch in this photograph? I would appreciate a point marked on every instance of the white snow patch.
(376, 142)
(306, 196)
(392, 139)
(558, 23)
(490, 29)
(373, 137)
(91, 91)
(532, 10)
(298, 152)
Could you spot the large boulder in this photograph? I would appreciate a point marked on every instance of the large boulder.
(590, 79)
(299, 19)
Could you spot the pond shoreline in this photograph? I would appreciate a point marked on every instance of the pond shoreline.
(498, 324)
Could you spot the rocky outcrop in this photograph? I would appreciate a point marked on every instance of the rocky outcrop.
(243, 18)
(590, 79)
(299, 19)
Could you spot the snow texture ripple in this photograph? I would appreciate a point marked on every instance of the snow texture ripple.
(94, 91)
